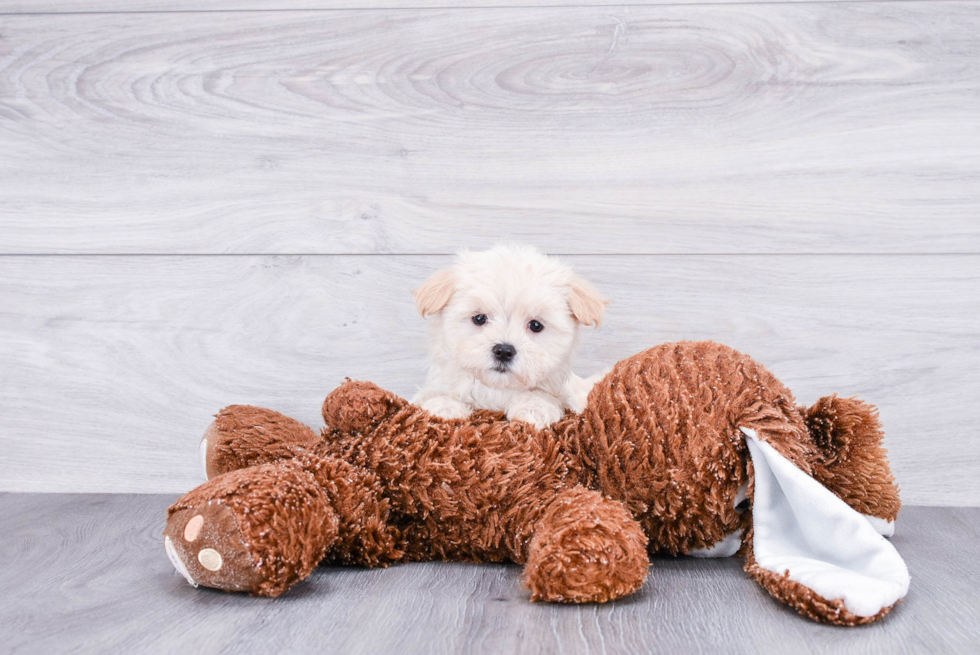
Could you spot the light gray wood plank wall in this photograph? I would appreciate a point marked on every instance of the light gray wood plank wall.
(818, 127)
(111, 367)
(365, 145)
(170, 6)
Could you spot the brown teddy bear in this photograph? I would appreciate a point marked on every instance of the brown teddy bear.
(686, 448)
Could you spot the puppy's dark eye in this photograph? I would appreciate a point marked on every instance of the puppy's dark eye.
(480, 319)
(535, 326)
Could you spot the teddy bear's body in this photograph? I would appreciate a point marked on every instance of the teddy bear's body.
(658, 462)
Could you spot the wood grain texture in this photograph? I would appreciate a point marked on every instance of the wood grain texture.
(88, 574)
(759, 128)
(170, 6)
(111, 367)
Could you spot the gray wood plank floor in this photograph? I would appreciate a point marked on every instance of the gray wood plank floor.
(88, 574)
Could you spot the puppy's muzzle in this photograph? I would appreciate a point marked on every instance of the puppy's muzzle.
(503, 353)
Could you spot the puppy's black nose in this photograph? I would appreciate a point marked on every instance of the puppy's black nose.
(504, 352)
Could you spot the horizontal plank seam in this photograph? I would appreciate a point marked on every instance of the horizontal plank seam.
(449, 253)
(473, 8)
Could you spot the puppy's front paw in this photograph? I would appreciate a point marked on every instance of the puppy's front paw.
(446, 407)
(578, 389)
(536, 409)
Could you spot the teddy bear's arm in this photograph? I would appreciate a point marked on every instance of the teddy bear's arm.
(242, 435)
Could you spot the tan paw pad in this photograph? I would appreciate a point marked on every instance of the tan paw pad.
(193, 528)
(210, 559)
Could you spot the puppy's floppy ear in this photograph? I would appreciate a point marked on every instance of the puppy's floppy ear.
(435, 292)
(585, 302)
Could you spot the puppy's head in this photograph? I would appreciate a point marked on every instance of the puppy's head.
(509, 316)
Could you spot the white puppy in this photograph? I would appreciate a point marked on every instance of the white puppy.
(505, 325)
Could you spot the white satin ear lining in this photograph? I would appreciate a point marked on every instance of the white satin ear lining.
(802, 529)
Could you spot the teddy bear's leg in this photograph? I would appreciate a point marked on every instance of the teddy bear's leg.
(585, 548)
(800, 597)
(810, 549)
(260, 529)
(851, 460)
(242, 436)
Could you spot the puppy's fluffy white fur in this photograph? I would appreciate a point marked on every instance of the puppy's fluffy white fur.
(511, 286)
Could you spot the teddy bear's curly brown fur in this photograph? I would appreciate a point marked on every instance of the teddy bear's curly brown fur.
(654, 464)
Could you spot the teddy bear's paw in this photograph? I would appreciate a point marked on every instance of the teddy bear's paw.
(586, 549)
(205, 545)
(261, 529)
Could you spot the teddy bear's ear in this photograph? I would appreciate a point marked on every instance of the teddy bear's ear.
(812, 550)
(586, 303)
(435, 292)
